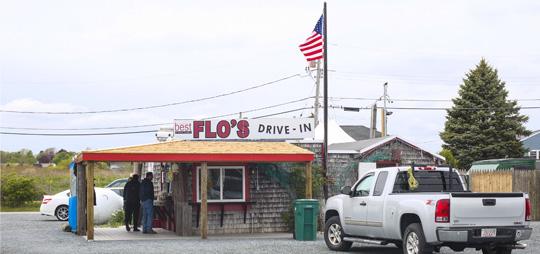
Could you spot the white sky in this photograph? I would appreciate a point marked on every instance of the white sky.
(97, 55)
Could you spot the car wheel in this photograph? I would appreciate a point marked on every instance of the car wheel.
(61, 213)
(496, 250)
(414, 241)
(333, 235)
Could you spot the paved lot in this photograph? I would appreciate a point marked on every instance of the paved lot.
(33, 233)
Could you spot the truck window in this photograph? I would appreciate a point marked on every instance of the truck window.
(428, 181)
(379, 185)
(364, 186)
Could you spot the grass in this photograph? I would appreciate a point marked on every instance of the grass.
(50, 181)
(32, 207)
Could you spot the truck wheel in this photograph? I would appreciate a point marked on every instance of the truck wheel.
(333, 235)
(496, 250)
(414, 241)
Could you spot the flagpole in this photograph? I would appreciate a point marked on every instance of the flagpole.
(325, 76)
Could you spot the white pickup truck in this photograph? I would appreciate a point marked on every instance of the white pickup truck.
(420, 209)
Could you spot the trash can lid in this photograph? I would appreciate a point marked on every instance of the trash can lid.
(304, 201)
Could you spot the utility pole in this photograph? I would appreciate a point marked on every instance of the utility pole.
(373, 123)
(384, 120)
(317, 93)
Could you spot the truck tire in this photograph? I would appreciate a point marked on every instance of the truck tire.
(496, 250)
(333, 235)
(414, 241)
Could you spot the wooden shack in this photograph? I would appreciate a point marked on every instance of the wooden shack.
(212, 186)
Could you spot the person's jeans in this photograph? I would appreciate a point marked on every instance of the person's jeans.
(148, 214)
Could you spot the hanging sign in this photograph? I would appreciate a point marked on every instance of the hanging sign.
(240, 129)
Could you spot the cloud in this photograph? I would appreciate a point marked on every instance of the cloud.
(29, 104)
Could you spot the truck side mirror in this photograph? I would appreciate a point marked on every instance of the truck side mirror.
(346, 190)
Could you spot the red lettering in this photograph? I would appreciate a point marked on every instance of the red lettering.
(223, 129)
(198, 127)
(243, 129)
(208, 133)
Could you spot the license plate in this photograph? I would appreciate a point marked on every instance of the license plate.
(488, 232)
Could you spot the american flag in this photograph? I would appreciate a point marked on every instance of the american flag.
(313, 47)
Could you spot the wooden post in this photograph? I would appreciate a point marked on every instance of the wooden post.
(204, 205)
(182, 210)
(90, 202)
(81, 199)
(309, 181)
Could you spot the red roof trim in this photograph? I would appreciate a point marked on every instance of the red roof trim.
(158, 157)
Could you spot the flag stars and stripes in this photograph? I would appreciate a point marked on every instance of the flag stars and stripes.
(312, 48)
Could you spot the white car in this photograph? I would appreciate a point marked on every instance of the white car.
(107, 202)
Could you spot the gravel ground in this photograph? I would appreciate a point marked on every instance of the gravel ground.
(34, 233)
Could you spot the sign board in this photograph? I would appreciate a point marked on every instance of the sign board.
(245, 129)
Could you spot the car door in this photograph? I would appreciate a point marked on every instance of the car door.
(356, 214)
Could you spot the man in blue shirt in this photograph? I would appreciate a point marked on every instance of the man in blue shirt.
(147, 200)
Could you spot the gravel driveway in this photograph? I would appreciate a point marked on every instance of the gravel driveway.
(34, 233)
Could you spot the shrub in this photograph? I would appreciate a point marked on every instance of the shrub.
(117, 219)
(18, 190)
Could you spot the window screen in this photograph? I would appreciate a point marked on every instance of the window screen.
(224, 183)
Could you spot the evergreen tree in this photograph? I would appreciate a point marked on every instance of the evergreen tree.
(482, 123)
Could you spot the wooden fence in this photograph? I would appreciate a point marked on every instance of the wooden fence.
(510, 181)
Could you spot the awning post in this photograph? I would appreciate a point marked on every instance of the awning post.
(309, 181)
(90, 202)
(204, 205)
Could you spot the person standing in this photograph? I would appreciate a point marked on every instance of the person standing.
(132, 202)
(147, 200)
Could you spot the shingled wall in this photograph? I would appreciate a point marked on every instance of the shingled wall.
(265, 216)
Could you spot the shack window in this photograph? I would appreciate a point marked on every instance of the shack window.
(224, 183)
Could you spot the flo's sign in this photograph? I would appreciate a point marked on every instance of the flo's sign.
(254, 129)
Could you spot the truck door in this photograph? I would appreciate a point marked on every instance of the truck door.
(375, 206)
(356, 212)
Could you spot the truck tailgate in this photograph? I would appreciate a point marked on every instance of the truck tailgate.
(487, 209)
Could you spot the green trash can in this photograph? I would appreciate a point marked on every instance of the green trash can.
(306, 212)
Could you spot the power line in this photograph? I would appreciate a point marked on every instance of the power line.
(411, 99)
(125, 133)
(82, 129)
(432, 108)
(154, 106)
(76, 134)
(155, 124)
(281, 113)
(259, 109)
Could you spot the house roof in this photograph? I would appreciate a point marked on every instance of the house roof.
(364, 146)
(532, 142)
(199, 151)
(359, 146)
(358, 132)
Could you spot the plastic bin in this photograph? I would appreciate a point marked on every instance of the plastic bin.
(72, 214)
(306, 212)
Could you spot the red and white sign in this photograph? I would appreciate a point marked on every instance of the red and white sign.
(252, 129)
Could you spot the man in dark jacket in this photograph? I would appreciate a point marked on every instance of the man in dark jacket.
(147, 200)
(132, 202)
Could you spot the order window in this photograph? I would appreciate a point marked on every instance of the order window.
(224, 183)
